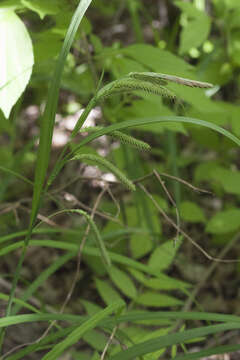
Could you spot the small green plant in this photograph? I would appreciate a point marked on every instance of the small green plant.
(131, 285)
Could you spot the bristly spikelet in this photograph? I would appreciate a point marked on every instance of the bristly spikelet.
(122, 137)
(128, 84)
(134, 84)
(162, 79)
(130, 140)
(148, 76)
(99, 160)
(150, 82)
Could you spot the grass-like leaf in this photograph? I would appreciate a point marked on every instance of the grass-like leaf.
(173, 315)
(97, 234)
(42, 278)
(46, 131)
(48, 118)
(122, 137)
(70, 232)
(153, 120)
(20, 303)
(208, 352)
(90, 324)
(161, 342)
(17, 175)
(45, 342)
(131, 316)
(87, 250)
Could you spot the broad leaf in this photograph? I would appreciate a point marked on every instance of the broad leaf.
(162, 282)
(224, 222)
(123, 282)
(163, 255)
(229, 179)
(197, 28)
(43, 7)
(11, 4)
(95, 339)
(153, 299)
(140, 245)
(16, 59)
(189, 211)
(107, 293)
(165, 62)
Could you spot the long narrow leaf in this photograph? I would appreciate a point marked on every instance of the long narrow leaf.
(91, 251)
(129, 317)
(208, 352)
(173, 315)
(46, 131)
(17, 175)
(82, 329)
(21, 354)
(154, 120)
(21, 319)
(48, 118)
(161, 342)
(19, 302)
(107, 236)
(42, 278)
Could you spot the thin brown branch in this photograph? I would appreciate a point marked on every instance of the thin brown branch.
(188, 304)
(108, 343)
(171, 200)
(171, 222)
(209, 271)
(184, 182)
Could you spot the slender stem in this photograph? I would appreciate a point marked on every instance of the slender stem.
(55, 171)
(132, 7)
(61, 160)
(172, 147)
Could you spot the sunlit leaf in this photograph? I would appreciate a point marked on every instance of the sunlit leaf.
(16, 59)
(43, 7)
(196, 31)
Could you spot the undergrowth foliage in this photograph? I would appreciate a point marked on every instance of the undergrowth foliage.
(129, 257)
(122, 137)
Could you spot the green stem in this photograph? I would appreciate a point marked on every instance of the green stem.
(59, 164)
(46, 131)
(172, 150)
(137, 27)
(62, 158)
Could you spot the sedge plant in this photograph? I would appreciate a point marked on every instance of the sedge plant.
(62, 339)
